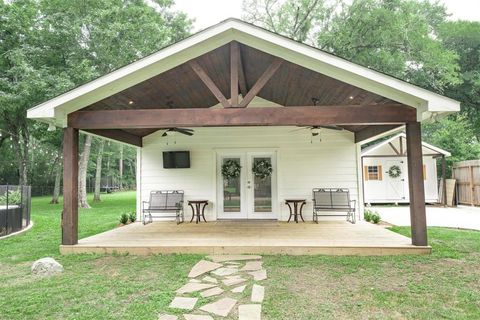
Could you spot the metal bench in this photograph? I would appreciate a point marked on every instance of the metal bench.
(333, 199)
(164, 204)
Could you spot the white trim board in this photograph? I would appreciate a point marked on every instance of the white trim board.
(400, 135)
(427, 103)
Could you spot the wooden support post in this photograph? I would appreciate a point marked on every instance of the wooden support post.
(234, 66)
(444, 177)
(418, 218)
(70, 187)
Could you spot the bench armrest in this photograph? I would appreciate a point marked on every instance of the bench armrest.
(354, 203)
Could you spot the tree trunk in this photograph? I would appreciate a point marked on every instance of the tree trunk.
(120, 167)
(98, 172)
(58, 178)
(82, 173)
(21, 146)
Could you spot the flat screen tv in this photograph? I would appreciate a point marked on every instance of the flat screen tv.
(176, 159)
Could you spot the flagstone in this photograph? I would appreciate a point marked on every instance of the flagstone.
(252, 266)
(197, 317)
(211, 292)
(203, 266)
(259, 275)
(224, 271)
(221, 307)
(183, 303)
(193, 286)
(239, 289)
(210, 279)
(258, 293)
(250, 312)
(167, 317)
(233, 281)
(194, 280)
(234, 257)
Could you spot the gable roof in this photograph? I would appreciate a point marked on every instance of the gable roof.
(427, 103)
(379, 149)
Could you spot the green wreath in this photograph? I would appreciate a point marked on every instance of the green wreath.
(262, 169)
(231, 169)
(394, 171)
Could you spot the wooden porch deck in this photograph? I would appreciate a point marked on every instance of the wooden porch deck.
(254, 237)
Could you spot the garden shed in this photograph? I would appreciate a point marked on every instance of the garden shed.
(385, 172)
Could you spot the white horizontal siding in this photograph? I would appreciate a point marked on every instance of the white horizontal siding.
(301, 165)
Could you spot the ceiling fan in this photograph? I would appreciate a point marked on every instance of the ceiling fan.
(171, 131)
(315, 130)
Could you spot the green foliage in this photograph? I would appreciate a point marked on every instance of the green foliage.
(454, 134)
(124, 218)
(14, 197)
(367, 215)
(463, 37)
(132, 216)
(375, 217)
(371, 216)
(48, 47)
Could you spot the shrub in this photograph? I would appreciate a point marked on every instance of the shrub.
(132, 216)
(14, 197)
(367, 215)
(124, 218)
(375, 218)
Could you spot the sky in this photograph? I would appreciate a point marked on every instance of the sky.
(209, 12)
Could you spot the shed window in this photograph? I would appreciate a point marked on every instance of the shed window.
(373, 172)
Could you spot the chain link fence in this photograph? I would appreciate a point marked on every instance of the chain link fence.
(15, 204)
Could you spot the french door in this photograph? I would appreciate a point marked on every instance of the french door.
(247, 196)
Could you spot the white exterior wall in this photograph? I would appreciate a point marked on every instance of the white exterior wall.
(301, 165)
(377, 191)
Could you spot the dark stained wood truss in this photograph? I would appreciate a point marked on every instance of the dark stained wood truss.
(232, 76)
(260, 116)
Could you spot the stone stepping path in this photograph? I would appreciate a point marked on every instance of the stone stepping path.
(183, 303)
(223, 283)
(258, 292)
(197, 317)
(250, 312)
(221, 307)
(203, 266)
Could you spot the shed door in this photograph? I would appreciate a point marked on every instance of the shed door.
(395, 185)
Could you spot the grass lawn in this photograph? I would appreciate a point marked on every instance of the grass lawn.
(445, 284)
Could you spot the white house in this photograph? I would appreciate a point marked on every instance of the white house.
(238, 92)
(385, 171)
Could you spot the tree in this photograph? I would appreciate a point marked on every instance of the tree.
(397, 37)
(82, 173)
(463, 37)
(292, 18)
(48, 47)
(98, 171)
(454, 134)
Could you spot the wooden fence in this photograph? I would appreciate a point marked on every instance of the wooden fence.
(467, 174)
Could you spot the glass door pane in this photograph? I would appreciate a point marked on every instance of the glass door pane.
(232, 190)
(262, 187)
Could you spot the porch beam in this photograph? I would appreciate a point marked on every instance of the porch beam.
(373, 131)
(261, 82)
(70, 187)
(202, 74)
(234, 66)
(416, 184)
(118, 135)
(262, 116)
(242, 81)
